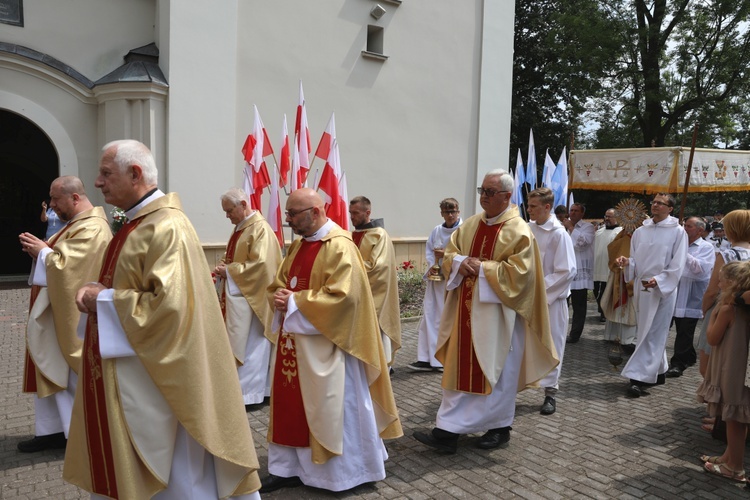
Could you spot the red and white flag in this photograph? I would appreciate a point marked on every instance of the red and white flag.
(285, 161)
(256, 148)
(344, 192)
(326, 141)
(274, 208)
(330, 184)
(302, 141)
(294, 183)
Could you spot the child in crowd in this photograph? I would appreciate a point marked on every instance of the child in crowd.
(724, 388)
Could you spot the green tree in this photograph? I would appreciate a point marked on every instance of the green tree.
(680, 61)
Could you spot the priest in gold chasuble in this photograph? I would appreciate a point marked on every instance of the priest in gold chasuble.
(379, 258)
(159, 407)
(331, 398)
(62, 265)
(494, 335)
(246, 269)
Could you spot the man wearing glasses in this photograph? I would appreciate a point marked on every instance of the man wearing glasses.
(495, 320)
(331, 398)
(658, 252)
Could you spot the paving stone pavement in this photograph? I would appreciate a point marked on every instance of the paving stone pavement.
(599, 444)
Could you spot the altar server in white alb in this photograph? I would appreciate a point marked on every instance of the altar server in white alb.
(658, 252)
(559, 265)
(247, 268)
(582, 235)
(434, 295)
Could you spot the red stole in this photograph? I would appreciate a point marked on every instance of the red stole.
(29, 368)
(470, 376)
(231, 246)
(290, 426)
(357, 236)
(99, 443)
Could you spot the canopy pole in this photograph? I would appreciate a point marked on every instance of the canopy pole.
(687, 174)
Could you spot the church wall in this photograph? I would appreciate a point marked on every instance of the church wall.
(92, 36)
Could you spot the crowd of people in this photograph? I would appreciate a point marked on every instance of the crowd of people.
(143, 367)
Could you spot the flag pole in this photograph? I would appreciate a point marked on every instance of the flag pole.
(687, 174)
(570, 169)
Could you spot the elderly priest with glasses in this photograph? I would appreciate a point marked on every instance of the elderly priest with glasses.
(494, 334)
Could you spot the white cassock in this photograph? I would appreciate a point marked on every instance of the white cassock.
(52, 414)
(253, 373)
(434, 297)
(364, 454)
(656, 251)
(559, 266)
(192, 474)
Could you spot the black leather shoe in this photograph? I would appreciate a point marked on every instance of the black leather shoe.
(272, 483)
(439, 439)
(661, 379)
(674, 372)
(41, 443)
(549, 406)
(494, 438)
(636, 391)
(572, 340)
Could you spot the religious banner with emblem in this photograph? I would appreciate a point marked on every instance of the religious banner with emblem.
(659, 169)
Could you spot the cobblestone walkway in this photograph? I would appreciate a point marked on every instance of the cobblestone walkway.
(599, 444)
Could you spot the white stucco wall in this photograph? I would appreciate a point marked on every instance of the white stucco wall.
(414, 129)
(92, 36)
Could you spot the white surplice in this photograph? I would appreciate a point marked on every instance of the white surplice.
(434, 298)
(559, 266)
(657, 250)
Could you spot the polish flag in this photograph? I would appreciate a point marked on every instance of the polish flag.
(302, 139)
(326, 141)
(285, 160)
(274, 207)
(294, 182)
(256, 148)
(330, 185)
(344, 195)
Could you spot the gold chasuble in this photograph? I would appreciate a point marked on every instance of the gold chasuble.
(252, 259)
(127, 409)
(332, 292)
(616, 302)
(475, 337)
(52, 344)
(379, 258)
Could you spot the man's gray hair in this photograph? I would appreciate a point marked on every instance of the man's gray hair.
(506, 180)
(698, 221)
(235, 196)
(129, 152)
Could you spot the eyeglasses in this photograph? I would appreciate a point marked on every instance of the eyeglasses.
(292, 214)
(448, 212)
(660, 203)
(489, 192)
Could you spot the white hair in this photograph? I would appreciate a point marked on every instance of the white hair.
(235, 196)
(505, 179)
(129, 152)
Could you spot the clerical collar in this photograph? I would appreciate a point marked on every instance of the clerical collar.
(322, 232)
(152, 195)
(611, 227)
(494, 219)
(252, 212)
(370, 225)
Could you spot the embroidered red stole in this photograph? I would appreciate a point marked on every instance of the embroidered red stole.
(470, 376)
(357, 236)
(231, 246)
(290, 426)
(29, 368)
(99, 443)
